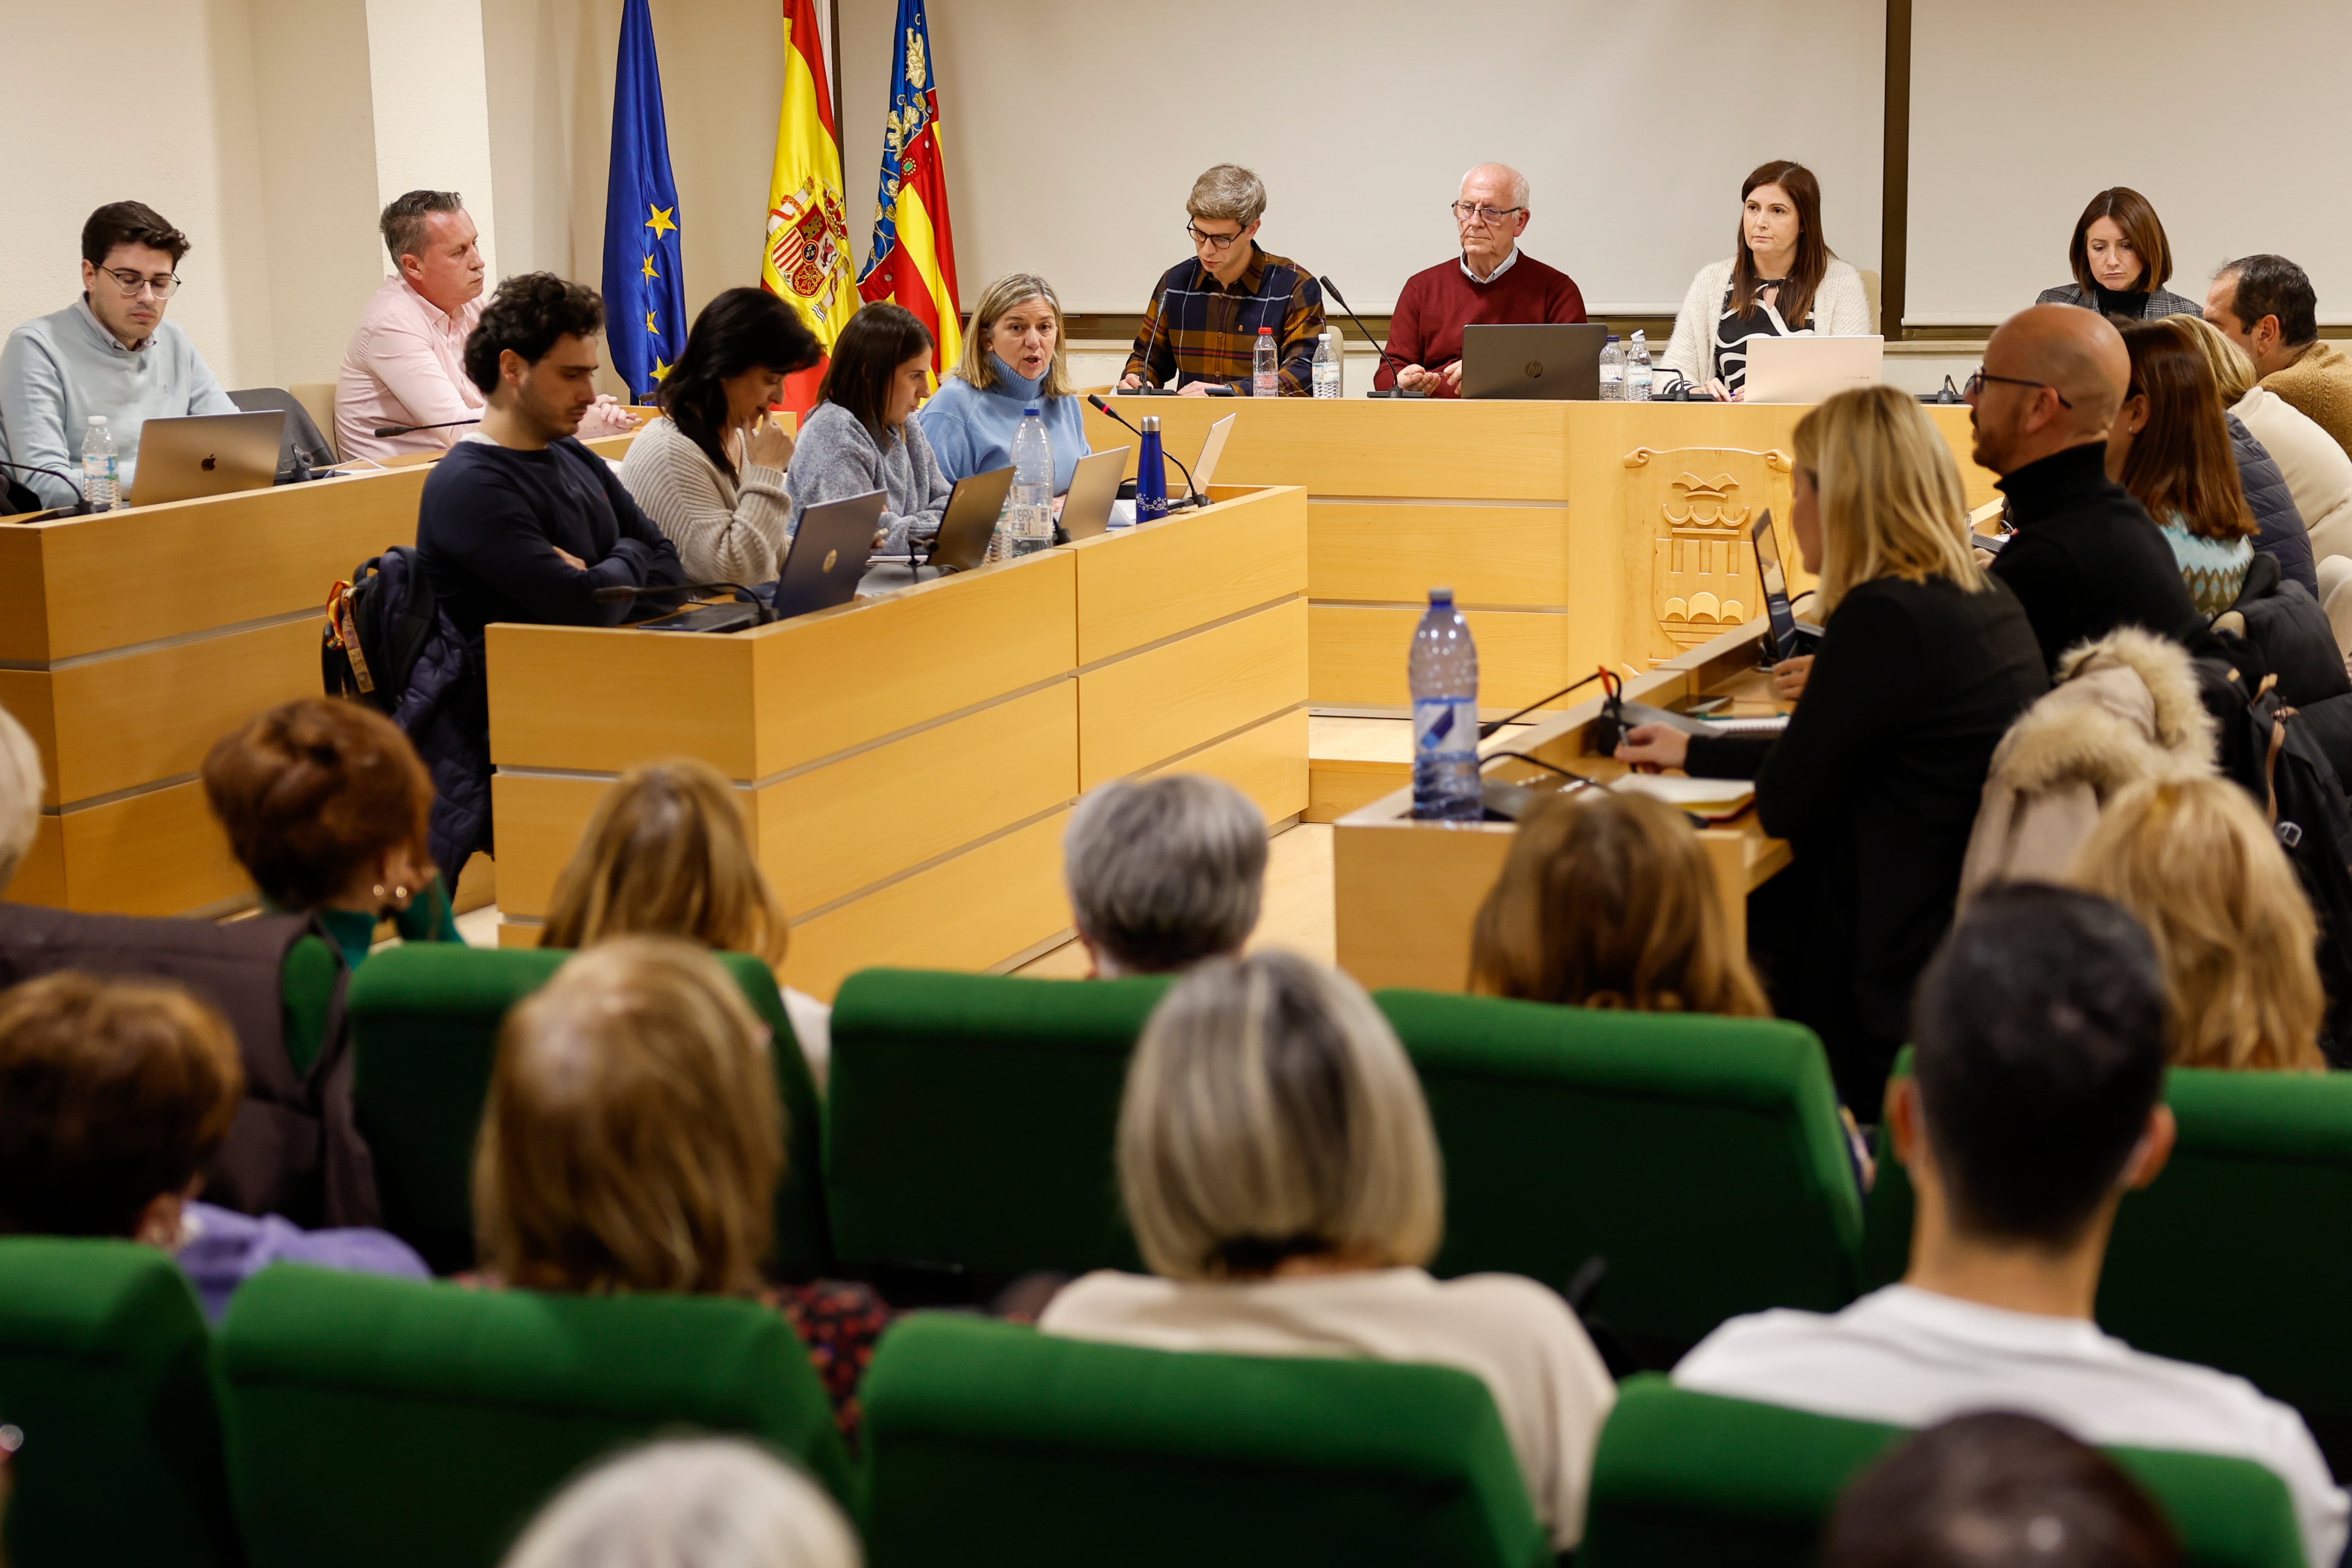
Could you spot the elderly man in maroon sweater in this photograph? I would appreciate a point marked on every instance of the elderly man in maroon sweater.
(1493, 281)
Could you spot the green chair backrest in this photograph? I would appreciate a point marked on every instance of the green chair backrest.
(393, 1423)
(306, 984)
(1684, 1479)
(424, 1032)
(2228, 1258)
(105, 1367)
(1702, 1158)
(991, 1444)
(970, 1117)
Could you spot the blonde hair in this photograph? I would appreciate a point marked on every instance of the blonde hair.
(2232, 367)
(2194, 860)
(978, 366)
(704, 1502)
(665, 853)
(1271, 1113)
(1608, 900)
(20, 794)
(1230, 192)
(1890, 501)
(634, 1136)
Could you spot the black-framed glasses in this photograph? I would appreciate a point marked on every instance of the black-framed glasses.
(1976, 385)
(1465, 212)
(130, 283)
(1214, 241)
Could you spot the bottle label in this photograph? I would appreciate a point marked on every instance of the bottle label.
(1445, 727)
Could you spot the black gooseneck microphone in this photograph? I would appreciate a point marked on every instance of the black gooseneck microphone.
(1192, 496)
(81, 507)
(616, 594)
(384, 430)
(1381, 349)
(1489, 727)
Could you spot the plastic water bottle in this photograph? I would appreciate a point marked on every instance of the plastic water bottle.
(1150, 474)
(1612, 371)
(1029, 513)
(1637, 370)
(98, 486)
(1266, 366)
(1327, 366)
(1444, 670)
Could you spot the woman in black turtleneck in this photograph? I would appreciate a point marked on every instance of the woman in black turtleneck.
(2121, 260)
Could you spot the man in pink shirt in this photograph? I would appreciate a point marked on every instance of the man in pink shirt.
(406, 362)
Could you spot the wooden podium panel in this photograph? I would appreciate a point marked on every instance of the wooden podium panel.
(1357, 655)
(1150, 707)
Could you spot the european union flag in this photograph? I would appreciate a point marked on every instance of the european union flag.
(645, 289)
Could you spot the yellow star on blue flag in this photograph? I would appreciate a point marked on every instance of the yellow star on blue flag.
(660, 223)
(649, 324)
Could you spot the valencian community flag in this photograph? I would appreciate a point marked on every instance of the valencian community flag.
(913, 259)
(806, 260)
(645, 290)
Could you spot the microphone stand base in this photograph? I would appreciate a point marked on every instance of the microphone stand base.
(1396, 392)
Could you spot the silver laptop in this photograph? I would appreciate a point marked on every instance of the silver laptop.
(206, 454)
(1212, 449)
(1558, 361)
(1812, 369)
(970, 520)
(1094, 486)
(828, 554)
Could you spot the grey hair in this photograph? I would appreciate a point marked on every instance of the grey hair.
(404, 222)
(1269, 1114)
(1228, 191)
(1165, 872)
(1518, 181)
(712, 1502)
(20, 794)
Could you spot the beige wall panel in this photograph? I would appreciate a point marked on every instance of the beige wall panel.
(971, 912)
(154, 854)
(653, 695)
(1352, 446)
(1142, 711)
(1359, 656)
(1267, 763)
(1137, 585)
(1407, 898)
(1487, 554)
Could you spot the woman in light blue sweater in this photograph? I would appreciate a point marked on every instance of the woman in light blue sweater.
(1011, 358)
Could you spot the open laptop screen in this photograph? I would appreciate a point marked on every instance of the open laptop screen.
(1776, 584)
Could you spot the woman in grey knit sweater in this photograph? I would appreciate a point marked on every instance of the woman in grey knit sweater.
(862, 436)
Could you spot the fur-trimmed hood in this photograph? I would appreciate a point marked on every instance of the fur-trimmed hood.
(2126, 707)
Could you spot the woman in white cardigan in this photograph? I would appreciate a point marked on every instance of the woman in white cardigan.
(1781, 282)
(711, 476)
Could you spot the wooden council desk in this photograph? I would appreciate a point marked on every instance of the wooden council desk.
(907, 763)
(1573, 535)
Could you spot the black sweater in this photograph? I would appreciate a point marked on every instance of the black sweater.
(1875, 785)
(493, 518)
(2087, 558)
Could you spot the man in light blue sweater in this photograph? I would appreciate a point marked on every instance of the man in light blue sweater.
(109, 353)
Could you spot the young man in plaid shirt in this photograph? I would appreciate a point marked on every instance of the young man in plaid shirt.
(1201, 328)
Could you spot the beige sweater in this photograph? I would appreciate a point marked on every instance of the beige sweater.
(724, 532)
(2319, 384)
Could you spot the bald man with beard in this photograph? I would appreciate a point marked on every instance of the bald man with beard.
(1491, 281)
(2087, 558)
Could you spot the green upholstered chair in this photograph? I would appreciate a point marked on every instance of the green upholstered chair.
(1701, 1158)
(991, 1444)
(307, 983)
(393, 1423)
(2231, 1257)
(105, 1365)
(971, 1119)
(425, 1028)
(1690, 1478)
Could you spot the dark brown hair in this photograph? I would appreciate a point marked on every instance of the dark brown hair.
(877, 342)
(2182, 461)
(113, 1092)
(403, 223)
(309, 791)
(529, 314)
(2271, 285)
(1607, 900)
(129, 222)
(1814, 252)
(1991, 1491)
(2142, 232)
(739, 329)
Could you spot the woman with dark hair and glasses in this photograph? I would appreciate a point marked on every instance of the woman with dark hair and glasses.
(862, 436)
(712, 474)
(2120, 259)
(1782, 281)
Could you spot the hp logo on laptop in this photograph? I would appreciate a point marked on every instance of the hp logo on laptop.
(1534, 369)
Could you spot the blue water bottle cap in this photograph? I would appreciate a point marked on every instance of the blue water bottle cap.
(1445, 595)
(1030, 412)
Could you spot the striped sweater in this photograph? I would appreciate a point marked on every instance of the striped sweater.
(724, 532)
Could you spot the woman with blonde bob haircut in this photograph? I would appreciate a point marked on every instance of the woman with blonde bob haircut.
(1607, 900)
(1923, 662)
(2194, 860)
(633, 1141)
(1276, 1160)
(1012, 362)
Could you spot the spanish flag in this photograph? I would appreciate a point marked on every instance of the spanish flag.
(806, 258)
(913, 259)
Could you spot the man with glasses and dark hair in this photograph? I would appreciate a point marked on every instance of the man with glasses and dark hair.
(1491, 281)
(1201, 329)
(2267, 305)
(109, 353)
(2086, 557)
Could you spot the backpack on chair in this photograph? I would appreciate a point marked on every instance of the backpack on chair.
(377, 624)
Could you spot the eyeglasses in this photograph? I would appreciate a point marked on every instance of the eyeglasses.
(1976, 385)
(1465, 213)
(1214, 241)
(130, 283)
